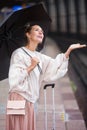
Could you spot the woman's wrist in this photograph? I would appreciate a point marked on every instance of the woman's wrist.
(67, 53)
(30, 68)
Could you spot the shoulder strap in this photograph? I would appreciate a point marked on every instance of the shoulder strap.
(26, 52)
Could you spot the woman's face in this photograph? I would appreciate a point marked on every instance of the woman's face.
(36, 34)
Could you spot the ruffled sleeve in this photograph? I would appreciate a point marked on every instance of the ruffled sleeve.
(54, 68)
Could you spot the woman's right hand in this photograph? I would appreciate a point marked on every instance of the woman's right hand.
(34, 62)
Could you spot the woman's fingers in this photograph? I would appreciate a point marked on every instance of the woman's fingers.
(78, 45)
(81, 45)
(34, 61)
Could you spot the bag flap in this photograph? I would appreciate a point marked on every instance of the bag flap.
(17, 104)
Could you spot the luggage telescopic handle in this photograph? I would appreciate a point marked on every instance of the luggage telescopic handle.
(49, 85)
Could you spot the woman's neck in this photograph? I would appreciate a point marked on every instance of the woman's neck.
(31, 47)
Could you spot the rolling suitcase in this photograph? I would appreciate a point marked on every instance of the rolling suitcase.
(53, 106)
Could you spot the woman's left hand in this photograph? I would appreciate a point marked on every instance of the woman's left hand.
(77, 46)
(73, 47)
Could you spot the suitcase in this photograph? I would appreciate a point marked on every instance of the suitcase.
(53, 106)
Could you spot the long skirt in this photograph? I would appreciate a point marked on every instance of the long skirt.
(21, 122)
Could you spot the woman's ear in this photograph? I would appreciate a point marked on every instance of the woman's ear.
(27, 34)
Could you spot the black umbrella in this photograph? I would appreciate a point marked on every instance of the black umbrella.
(12, 32)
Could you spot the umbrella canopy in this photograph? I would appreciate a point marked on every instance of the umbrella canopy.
(12, 32)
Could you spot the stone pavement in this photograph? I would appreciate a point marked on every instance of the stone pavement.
(67, 113)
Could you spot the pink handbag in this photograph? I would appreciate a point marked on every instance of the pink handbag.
(16, 107)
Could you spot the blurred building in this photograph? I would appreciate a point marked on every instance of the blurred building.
(68, 16)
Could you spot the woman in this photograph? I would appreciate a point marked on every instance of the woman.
(28, 70)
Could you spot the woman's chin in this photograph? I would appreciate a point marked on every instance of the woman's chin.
(40, 42)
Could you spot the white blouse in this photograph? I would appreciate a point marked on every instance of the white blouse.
(28, 84)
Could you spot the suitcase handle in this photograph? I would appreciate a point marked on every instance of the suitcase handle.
(49, 85)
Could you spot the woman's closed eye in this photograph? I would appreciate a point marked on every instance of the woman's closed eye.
(39, 30)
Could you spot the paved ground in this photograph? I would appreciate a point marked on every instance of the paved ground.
(67, 113)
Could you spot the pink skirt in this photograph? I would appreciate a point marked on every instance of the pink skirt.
(23, 122)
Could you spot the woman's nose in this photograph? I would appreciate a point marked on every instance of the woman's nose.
(41, 32)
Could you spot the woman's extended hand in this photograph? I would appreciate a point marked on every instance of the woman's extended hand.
(76, 46)
(73, 47)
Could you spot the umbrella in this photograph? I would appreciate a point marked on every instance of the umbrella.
(12, 32)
